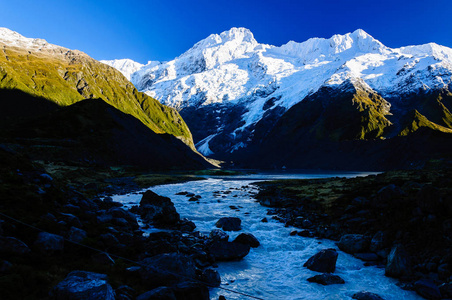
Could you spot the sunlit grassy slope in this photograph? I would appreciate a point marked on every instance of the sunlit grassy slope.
(66, 77)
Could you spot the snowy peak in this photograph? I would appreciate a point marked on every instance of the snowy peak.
(234, 36)
(356, 42)
(430, 49)
(230, 76)
(15, 39)
(217, 49)
(126, 66)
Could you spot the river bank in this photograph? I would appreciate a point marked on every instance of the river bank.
(59, 225)
(91, 231)
(401, 216)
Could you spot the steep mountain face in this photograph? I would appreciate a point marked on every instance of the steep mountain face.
(231, 90)
(66, 76)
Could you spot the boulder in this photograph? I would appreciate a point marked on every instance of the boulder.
(366, 296)
(218, 235)
(224, 251)
(248, 239)
(124, 292)
(367, 256)
(324, 261)
(71, 220)
(211, 277)
(81, 285)
(109, 240)
(446, 290)
(158, 210)
(164, 269)
(11, 245)
(427, 289)
(398, 262)
(160, 293)
(48, 243)
(76, 234)
(326, 279)
(120, 213)
(388, 195)
(378, 241)
(191, 290)
(186, 225)
(229, 224)
(353, 243)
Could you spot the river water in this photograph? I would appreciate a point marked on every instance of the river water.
(275, 269)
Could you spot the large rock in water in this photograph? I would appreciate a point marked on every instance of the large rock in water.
(248, 239)
(324, 261)
(224, 251)
(353, 243)
(168, 268)
(82, 285)
(366, 296)
(229, 224)
(326, 279)
(158, 210)
(218, 235)
(398, 262)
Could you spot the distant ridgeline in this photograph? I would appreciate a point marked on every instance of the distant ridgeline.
(38, 78)
(344, 102)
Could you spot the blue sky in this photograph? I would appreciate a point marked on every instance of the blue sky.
(163, 29)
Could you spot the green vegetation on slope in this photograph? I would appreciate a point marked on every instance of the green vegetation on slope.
(417, 121)
(66, 77)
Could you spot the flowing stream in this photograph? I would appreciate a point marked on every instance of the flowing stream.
(275, 269)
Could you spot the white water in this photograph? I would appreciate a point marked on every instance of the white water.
(275, 269)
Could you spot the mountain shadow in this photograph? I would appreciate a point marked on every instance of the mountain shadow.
(92, 131)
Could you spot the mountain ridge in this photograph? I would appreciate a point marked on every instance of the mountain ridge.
(228, 85)
(67, 76)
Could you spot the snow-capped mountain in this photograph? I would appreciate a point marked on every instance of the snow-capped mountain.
(126, 66)
(232, 76)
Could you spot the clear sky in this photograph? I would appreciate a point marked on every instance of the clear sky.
(146, 30)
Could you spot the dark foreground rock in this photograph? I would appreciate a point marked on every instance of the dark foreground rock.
(248, 239)
(211, 277)
(167, 268)
(326, 279)
(81, 285)
(229, 224)
(158, 210)
(324, 261)
(191, 291)
(225, 251)
(181, 291)
(11, 245)
(353, 243)
(427, 289)
(49, 243)
(162, 292)
(398, 262)
(218, 235)
(366, 296)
